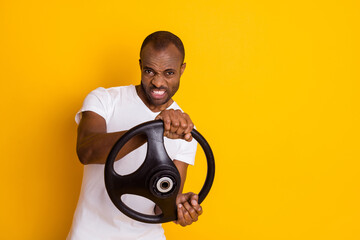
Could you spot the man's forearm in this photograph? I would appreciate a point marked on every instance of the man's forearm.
(95, 148)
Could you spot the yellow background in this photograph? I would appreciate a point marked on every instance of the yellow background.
(272, 85)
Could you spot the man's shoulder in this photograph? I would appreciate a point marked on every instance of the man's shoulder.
(115, 89)
(113, 92)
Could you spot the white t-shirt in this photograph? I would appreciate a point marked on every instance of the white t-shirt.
(96, 217)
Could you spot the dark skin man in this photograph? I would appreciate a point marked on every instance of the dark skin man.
(160, 78)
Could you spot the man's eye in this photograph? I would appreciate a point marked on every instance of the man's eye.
(147, 71)
(170, 73)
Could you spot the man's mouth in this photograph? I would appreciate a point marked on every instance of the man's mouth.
(158, 94)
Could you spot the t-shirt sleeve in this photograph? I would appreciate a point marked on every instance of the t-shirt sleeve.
(187, 152)
(96, 101)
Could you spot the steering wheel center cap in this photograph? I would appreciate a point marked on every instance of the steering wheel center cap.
(164, 184)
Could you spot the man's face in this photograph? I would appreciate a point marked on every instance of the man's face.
(160, 75)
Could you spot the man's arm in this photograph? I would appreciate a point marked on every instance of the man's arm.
(188, 207)
(94, 143)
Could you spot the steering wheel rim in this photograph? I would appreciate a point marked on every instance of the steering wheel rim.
(156, 166)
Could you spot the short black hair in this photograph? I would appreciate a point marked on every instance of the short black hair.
(162, 39)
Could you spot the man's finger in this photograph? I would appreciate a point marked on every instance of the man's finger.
(190, 124)
(180, 219)
(190, 127)
(187, 218)
(195, 203)
(191, 211)
(175, 122)
(182, 126)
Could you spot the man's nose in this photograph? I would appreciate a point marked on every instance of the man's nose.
(158, 81)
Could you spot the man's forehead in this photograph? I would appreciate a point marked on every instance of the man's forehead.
(168, 58)
(161, 65)
(169, 51)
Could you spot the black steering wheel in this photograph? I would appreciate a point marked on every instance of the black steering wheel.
(157, 178)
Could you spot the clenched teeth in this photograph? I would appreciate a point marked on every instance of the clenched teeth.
(158, 92)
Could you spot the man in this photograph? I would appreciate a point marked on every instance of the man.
(105, 116)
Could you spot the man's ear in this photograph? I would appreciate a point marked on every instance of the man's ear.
(140, 64)
(182, 69)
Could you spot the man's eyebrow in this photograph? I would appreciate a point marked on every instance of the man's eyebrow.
(166, 70)
(146, 67)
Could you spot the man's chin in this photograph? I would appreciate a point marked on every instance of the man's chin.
(159, 102)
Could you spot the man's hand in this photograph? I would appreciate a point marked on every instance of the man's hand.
(188, 208)
(176, 124)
